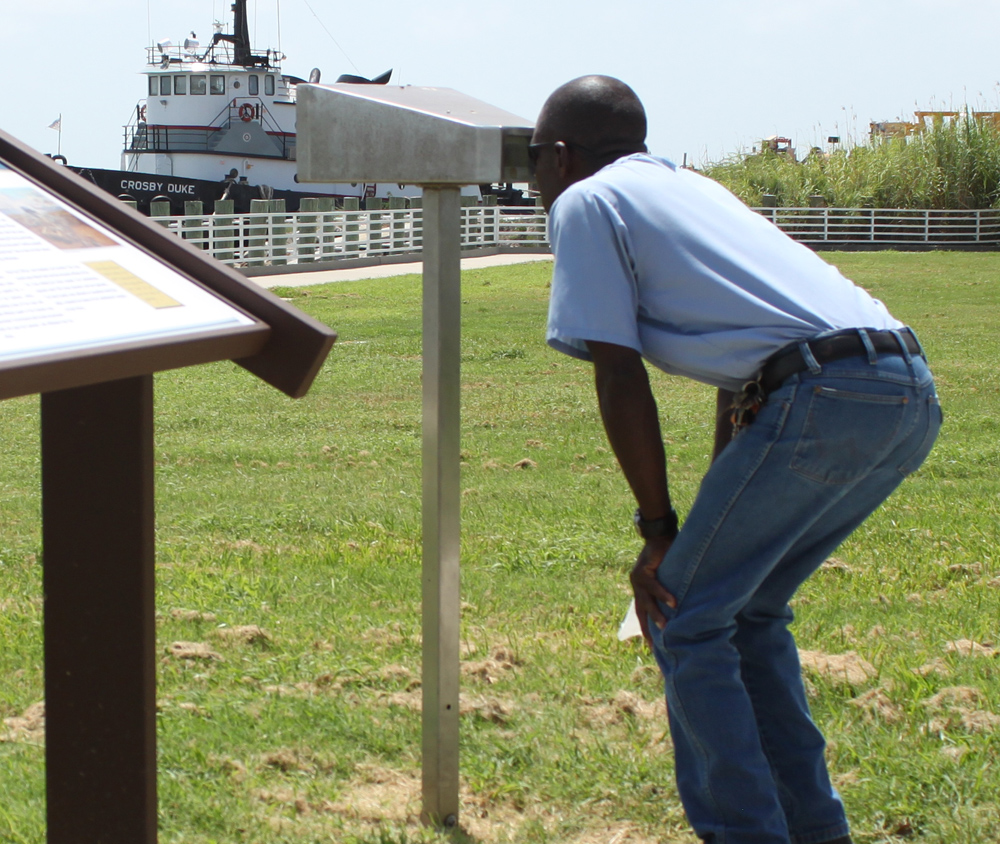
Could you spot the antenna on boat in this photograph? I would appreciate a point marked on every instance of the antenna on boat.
(278, 9)
(327, 31)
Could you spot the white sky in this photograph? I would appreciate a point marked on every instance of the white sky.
(715, 75)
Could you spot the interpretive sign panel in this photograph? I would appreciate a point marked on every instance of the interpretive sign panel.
(68, 283)
(91, 291)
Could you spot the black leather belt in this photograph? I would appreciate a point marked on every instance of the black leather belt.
(789, 360)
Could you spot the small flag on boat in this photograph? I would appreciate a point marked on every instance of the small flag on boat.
(56, 124)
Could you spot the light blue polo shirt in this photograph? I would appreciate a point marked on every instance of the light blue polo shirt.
(667, 262)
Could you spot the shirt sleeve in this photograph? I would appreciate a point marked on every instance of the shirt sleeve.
(594, 291)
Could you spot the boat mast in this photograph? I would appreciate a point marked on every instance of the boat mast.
(241, 34)
(240, 39)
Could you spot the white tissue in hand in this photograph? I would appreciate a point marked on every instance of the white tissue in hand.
(630, 625)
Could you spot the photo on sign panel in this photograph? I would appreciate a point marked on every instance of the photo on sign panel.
(37, 213)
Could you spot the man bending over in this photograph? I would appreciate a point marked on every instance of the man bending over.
(825, 403)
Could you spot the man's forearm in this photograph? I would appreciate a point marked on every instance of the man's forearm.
(632, 424)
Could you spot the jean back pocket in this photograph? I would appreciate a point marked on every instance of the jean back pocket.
(846, 434)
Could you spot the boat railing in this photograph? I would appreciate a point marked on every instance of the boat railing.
(255, 110)
(141, 136)
(135, 129)
(144, 137)
(221, 54)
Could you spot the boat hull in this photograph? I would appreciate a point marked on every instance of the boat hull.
(143, 188)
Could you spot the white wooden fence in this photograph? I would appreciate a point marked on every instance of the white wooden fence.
(281, 239)
(254, 241)
(889, 227)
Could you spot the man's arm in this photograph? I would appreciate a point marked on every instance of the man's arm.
(632, 424)
(628, 410)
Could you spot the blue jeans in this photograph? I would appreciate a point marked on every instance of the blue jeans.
(825, 450)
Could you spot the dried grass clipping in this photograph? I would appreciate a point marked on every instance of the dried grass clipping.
(966, 647)
(247, 634)
(847, 668)
(27, 727)
(877, 706)
(192, 650)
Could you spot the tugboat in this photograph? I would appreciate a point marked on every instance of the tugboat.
(218, 122)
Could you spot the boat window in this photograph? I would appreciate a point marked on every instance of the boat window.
(164, 86)
(269, 85)
(217, 84)
(198, 83)
(154, 86)
(180, 85)
(253, 84)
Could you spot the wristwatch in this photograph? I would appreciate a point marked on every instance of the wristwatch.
(655, 528)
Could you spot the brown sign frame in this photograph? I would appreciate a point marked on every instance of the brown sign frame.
(285, 347)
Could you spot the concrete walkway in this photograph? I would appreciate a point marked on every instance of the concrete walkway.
(384, 271)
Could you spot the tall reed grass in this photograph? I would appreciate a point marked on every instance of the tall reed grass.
(949, 165)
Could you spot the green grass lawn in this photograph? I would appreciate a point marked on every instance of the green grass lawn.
(303, 518)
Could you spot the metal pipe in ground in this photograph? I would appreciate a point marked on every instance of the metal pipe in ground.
(441, 501)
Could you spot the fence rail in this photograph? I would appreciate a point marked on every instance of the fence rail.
(282, 239)
(889, 227)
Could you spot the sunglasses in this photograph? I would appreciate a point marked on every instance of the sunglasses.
(535, 150)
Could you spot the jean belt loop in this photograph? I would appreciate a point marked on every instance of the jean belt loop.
(903, 350)
(916, 339)
(809, 358)
(866, 341)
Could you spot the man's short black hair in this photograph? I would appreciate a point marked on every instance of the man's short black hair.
(600, 113)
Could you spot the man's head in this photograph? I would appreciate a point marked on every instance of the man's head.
(584, 125)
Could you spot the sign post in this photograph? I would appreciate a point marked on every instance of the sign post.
(95, 299)
(439, 139)
(100, 633)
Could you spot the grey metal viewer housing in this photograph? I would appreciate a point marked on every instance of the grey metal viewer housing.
(410, 135)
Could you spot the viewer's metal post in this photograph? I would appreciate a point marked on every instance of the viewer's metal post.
(441, 498)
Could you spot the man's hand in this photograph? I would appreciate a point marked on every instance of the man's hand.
(647, 589)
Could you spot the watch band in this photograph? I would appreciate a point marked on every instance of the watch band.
(655, 528)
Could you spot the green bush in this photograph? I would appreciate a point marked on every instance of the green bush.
(948, 166)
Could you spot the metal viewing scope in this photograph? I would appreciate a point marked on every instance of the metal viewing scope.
(409, 135)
